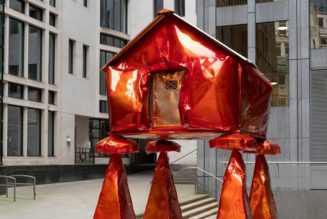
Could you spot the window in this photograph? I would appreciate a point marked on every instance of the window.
(51, 97)
(16, 47)
(98, 130)
(17, 5)
(33, 132)
(105, 56)
(222, 3)
(236, 37)
(15, 90)
(2, 17)
(52, 19)
(85, 55)
(35, 54)
(15, 131)
(112, 40)
(51, 132)
(85, 3)
(272, 58)
(34, 94)
(36, 12)
(157, 6)
(52, 3)
(318, 24)
(264, 1)
(180, 7)
(71, 51)
(113, 15)
(52, 58)
(103, 106)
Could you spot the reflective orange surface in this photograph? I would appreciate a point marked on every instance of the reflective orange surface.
(237, 141)
(163, 201)
(162, 145)
(114, 144)
(234, 202)
(261, 198)
(220, 92)
(165, 89)
(115, 200)
(268, 147)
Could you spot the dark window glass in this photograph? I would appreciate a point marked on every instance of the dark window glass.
(105, 56)
(51, 97)
(34, 94)
(99, 129)
(15, 90)
(17, 5)
(85, 3)
(85, 61)
(15, 131)
(1, 36)
(264, 1)
(103, 106)
(71, 51)
(180, 7)
(52, 3)
(157, 6)
(112, 41)
(113, 15)
(33, 132)
(16, 47)
(272, 58)
(35, 54)
(52, 56)
(318, 24)
(52, 19)
(36, 12)
(234, 37)
(51, 129)
(222, 3)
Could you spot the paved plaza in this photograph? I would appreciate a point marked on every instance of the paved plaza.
(75, 200)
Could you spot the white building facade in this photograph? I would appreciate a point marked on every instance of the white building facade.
(54, 102)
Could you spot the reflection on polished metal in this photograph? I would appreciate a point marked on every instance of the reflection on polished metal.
(116, 144)
(262, 201)
(234, 141)
(268, 147)
(115, 200)
(163, 201)
(199, 85)
(234, 202)
(165, 98)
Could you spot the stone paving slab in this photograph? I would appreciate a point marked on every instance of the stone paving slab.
(75, 200)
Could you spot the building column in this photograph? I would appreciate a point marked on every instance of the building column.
(251, 31)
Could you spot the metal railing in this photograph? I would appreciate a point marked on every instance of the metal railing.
(182, 157)
(84, 156)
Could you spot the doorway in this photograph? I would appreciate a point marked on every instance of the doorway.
(164, 98)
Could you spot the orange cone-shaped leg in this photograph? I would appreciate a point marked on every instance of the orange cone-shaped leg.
(115, 200)
(234, 202)
(163, 202)
(261, 198)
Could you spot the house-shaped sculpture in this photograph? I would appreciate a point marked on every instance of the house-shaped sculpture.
(173, 81)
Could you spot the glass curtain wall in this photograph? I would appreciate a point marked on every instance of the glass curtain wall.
(113, 15)
(272, 58)
(318, 24)
(235, 37)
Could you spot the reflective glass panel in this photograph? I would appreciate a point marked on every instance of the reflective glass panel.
(15, 131)
(222, 3)
(272, 58)
(35, 53)
(33, 132)
(16, 47)
(15, 90)
(318, 24)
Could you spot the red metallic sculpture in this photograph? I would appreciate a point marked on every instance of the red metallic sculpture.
(173, 81)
